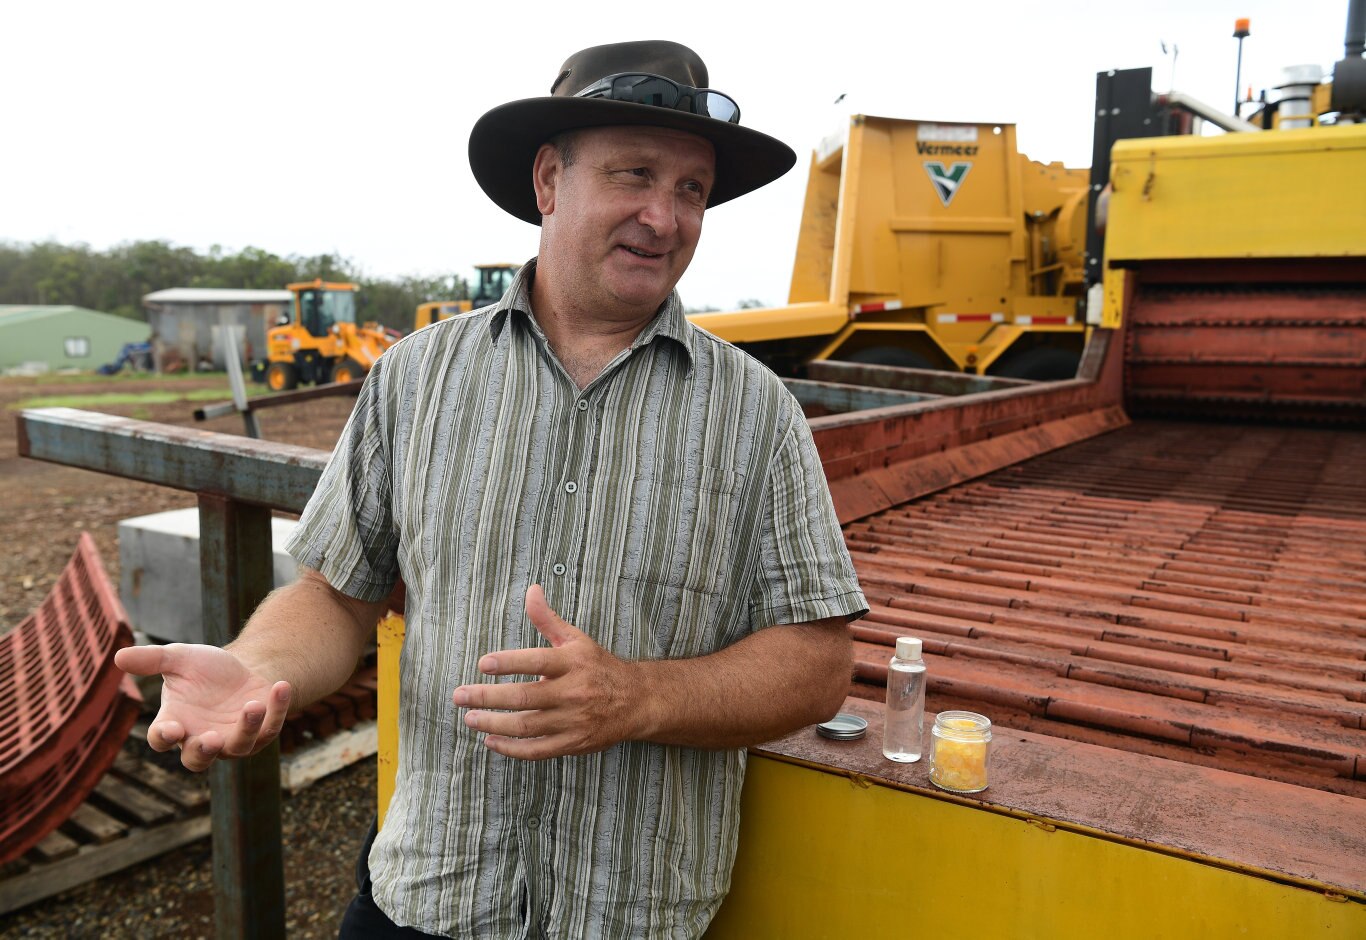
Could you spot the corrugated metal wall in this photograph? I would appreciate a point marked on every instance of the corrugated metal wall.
(64, 337)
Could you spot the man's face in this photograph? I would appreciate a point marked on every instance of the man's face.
(626, 214)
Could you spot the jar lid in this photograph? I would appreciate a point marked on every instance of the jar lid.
(843, 727)
(963, 726)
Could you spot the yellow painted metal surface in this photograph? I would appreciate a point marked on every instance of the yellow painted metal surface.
(824, 855)
(1114, 287)
(389, 636)
(1295, 193)
(770, 323)
(436, 310)
(948, 224)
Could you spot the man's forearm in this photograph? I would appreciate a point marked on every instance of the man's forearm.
(772, 682)
(309, 635)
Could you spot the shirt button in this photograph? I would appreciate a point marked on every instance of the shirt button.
(571, 487)
(582, 405)
(558, 569)
(533, 823)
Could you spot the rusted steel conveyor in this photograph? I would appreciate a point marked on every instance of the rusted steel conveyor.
(1180, 590)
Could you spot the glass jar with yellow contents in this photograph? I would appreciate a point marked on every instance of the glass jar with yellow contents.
(960, 751)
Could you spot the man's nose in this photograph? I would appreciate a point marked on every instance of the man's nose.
(660, 211)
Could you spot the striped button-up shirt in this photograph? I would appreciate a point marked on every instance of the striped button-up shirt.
(669, 508)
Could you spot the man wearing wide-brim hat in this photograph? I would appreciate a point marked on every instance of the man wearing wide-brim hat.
(621, 560)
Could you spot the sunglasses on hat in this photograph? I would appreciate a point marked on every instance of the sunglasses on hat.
(661, 92)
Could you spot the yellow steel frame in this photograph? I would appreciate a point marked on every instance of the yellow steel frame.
(825, 855)
(390, 639)
(1114, 288)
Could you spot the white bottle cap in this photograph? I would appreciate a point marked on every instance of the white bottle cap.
(908, 647)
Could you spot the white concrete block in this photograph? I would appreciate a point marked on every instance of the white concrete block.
(159, 572)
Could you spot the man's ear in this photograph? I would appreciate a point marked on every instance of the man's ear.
(545, 175)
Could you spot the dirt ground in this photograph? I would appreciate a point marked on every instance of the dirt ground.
(43, 509)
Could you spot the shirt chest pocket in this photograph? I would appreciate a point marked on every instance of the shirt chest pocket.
(683, 537)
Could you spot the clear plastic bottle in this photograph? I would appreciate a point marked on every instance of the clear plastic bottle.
(905, 724)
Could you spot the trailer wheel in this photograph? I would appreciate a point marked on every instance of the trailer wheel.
(1041, 364)
(347, 370)
(281, 376)
(890, 356)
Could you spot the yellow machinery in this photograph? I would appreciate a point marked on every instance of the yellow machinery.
(494, 280)
(322, 342)
(930, 245)
(1236, 263)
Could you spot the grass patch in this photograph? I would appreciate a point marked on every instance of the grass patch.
(85, 378)
(154, 397)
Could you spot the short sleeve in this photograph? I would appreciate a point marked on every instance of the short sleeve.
(347, 531)
(804, 572)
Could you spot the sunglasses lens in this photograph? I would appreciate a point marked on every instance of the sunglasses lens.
(716, 105)
(647, 89)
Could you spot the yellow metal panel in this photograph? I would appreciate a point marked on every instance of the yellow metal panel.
(1047, 307)
(389, 637)
(811, 272)
(846, 217)
(764, 323)
(970, 226)
(955, 246)
(1115, 285)
(1284, 194)
(872, 263)
(824, 855)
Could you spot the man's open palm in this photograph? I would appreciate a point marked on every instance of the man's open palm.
(212, 705)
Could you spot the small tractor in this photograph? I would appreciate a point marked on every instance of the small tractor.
(322, 342)
(494, 280)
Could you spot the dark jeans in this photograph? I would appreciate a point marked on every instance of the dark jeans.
(363, 919)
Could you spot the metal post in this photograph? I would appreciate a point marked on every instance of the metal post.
(236, 574)
(228, 342)
(1241, 30)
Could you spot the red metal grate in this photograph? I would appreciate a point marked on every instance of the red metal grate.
(1268, 338)
(1191, 591)
(65, 709)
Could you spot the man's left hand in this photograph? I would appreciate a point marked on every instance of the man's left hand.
(582, 703)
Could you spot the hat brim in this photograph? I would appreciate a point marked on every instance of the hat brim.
(504, 142)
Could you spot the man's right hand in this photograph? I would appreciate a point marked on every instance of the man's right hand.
(212, 704)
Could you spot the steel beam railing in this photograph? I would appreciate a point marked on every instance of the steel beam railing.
(238, 481)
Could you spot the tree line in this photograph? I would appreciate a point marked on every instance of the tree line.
(114, 281)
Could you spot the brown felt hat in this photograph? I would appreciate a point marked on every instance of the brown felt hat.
(504, 141)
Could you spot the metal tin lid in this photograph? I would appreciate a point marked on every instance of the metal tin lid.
(843, 727)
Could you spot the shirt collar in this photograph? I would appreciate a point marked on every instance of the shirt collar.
(669, 323)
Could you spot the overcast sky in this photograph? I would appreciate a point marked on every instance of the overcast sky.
(304, 128)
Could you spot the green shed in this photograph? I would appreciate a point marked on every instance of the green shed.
(63, 337)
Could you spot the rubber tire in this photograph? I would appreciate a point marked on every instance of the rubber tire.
(282, 376)
(890, 356)
(1040, 364)
(347, 370)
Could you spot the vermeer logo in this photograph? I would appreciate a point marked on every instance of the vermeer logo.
(946, 182)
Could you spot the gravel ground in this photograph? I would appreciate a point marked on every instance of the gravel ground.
(45, 509)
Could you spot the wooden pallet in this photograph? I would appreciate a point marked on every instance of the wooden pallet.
(137, 811)
(140, 810)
